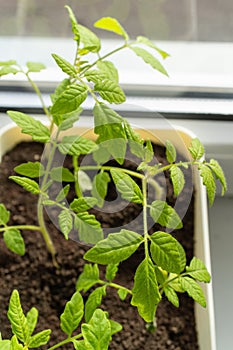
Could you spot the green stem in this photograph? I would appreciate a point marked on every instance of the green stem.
(167, 167)
(40, 214)
(108, 168)
(38, 92)
(145, 226)
(114, 285)
(65, 341)
(21, 227)
(76, 169)
(104, 57)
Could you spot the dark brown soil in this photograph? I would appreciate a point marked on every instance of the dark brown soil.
(47, 288)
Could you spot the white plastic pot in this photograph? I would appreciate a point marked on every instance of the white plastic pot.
(11, 135)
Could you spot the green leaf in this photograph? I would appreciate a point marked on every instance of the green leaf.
(94, 300)
(70, 99)
(147, 42)
(68, 120)
(170, 152)
(63, 193)
(75, 145)
(84, 181)
(100, 187)
(109, 70)
(146, 294)
(30, 126)
(30, 169)
(193, 289)
(165, 252)
(198, 270)
(79, 345)
(74, 24)
(111, 24)
(65, 221)
(35, 66)
(8, 70)
(115, 327)
(177, 178)
(88, 278)
(97, 334)
(109, 126)
(8, 63)
(32, 318)
(127, 187)
(14, 241)
(62, 86)
(39, 339)
(219, 174)
(122, 292)
(15, 345)
(4, 215)
(110, 91)
(196, 149)
(149, 59)
(65, 66)
(111, 271)
(208, 181)
(91, 42)
(165, 215)
(28, 184)
(83, 204)
(115, 248)
(171, 295)
(60, 174)
(89, 229)
(17, 318)
(73, 313)
(174, 282)
(5, 344)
